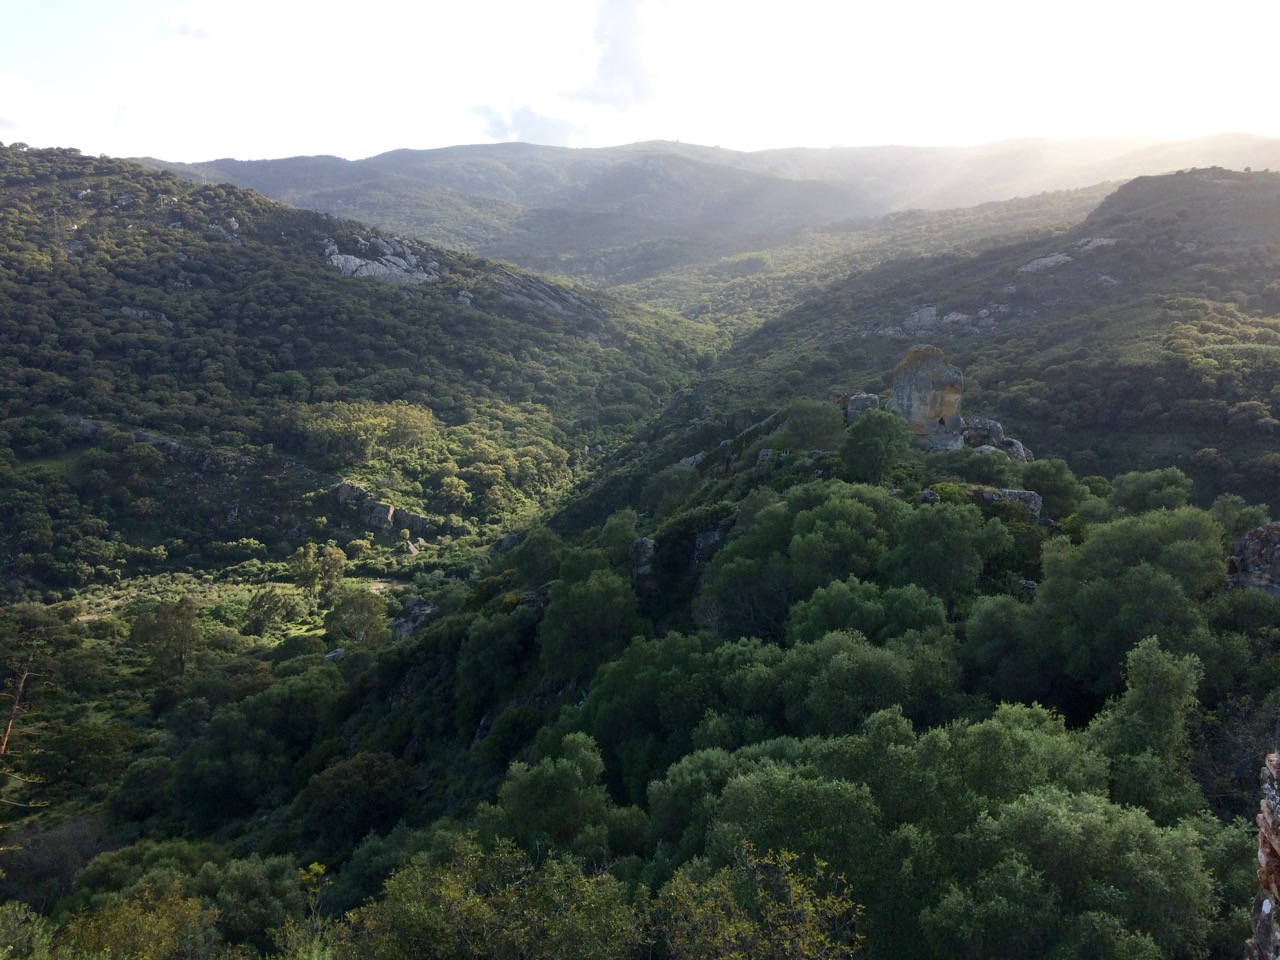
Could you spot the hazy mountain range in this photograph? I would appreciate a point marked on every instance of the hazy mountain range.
(627, 213)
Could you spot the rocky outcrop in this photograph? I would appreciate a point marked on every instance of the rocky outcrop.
(720, 460)
(983, 431)
(376, 515)
(1265, 943)
(412, 617)
(387, 259)
(1041, 264)
(539, 599)
(1255, 559)
(854, 405)
(926, 393)
(987, 435)
(1029, 500)
(532, 292)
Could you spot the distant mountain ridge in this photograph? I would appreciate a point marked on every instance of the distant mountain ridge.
(623, 214)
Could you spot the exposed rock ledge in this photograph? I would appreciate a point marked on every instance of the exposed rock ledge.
(388, 259)
(1255, 559)
(1265, 944)
(378, 515)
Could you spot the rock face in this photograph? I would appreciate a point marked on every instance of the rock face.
(1255, 559)
(854, 405)
(1041, 264)
(412, 617)
(926, 393)
(987, 436)
(1265, 944)
(377, 515)
(1029, 500)
(391, 260)
(983, 431)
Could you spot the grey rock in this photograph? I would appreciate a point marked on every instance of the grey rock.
(1041, 264)
(1255, 560)
(377, 515)
(980, 431)
(926, 393)
(944, 441)
(860, 403)
(414, 615)
(348, 491)
(1029, 499)
(539, 599)
(1016, 450)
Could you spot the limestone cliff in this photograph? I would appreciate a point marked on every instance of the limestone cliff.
(926, 393)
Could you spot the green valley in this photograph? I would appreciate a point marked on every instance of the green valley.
(364, 597)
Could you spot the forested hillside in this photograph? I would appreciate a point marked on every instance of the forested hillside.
(1144, 335)
(194, 369)
(367, 599)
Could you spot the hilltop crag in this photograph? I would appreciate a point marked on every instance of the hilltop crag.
(926, 393)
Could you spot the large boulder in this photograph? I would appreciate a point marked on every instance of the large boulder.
(983, 432)
(987, 436)
(1029, 500)
(926, 394)
(854, 405)
(414, 615)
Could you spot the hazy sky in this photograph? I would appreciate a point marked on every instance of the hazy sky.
(201, 79)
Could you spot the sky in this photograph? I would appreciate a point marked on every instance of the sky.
(191, 80)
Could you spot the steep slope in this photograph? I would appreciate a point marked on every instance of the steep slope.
(1144, 334)
(221, 329)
